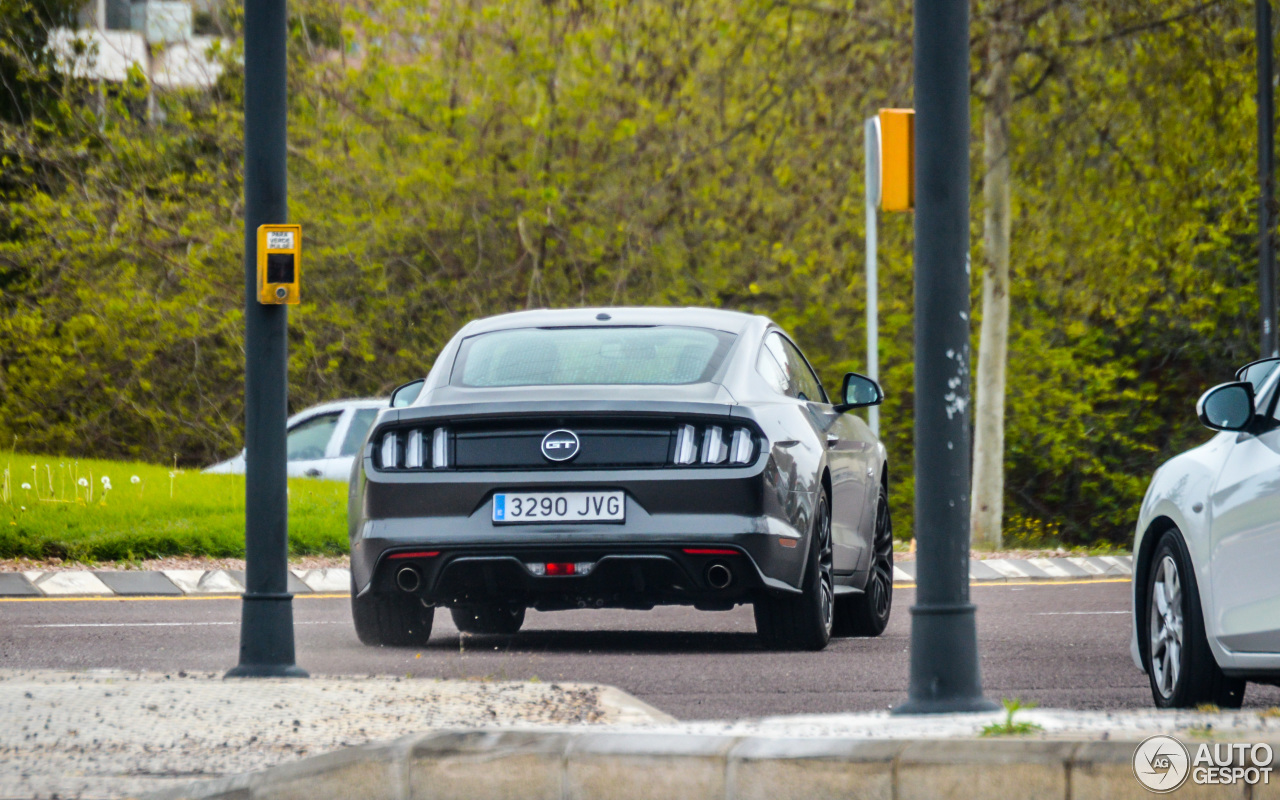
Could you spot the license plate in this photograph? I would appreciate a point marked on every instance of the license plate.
(559, 507)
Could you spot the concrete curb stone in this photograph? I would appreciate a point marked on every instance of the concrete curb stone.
(496, 765)
(71, 584)
(326, 580)
(646, 766)
(506, 764)
(15, 584)
(1010, 770)
(295, 584)
(762, 768)
(979, 571)
(136, 583)
(195, 581)
(1028, 570)
(74, 583)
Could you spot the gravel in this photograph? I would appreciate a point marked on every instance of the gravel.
(107, 734)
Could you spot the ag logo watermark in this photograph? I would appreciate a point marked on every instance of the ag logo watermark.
(1162, 764)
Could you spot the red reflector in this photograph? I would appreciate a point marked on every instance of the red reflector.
(420, 554)
(710, 551)
(561, 569)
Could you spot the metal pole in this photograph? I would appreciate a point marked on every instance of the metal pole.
(266, 622)
(1266, 183)
(944, 639)
(871, 148)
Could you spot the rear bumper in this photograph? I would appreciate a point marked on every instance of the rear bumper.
(635, 565)
(623, 576)
(758, 510)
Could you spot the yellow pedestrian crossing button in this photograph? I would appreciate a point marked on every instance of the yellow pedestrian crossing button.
(279, 264)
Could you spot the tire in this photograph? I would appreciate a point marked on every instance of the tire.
(803, 622)
(495, 619)
(867, 614)
(391, 621)
(1180, 666)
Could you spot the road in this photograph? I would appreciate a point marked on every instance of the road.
(1061, 645)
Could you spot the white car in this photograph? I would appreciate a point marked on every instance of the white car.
(1206, 577)
(323, 440)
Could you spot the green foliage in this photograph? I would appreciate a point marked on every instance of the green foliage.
(46, 512)
(28, 83)
(1009, 727)
(460, 159)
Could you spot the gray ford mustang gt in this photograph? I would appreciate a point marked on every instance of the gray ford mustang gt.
(622, 458)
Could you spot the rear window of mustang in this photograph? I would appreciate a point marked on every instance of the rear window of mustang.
(661, 355)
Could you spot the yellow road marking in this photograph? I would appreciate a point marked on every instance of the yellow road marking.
(152, 597)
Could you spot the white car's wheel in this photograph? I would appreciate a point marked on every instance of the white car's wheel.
(1180, 665)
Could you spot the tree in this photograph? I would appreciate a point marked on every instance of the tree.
(987, 505)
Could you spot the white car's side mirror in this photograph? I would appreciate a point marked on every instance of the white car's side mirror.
(1228, 407)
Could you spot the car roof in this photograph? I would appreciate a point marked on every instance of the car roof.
(340, 405)
(714, 318)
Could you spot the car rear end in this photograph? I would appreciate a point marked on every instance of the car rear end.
(574, 459)
(664, 502)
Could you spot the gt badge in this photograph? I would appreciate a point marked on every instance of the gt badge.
(560, 445)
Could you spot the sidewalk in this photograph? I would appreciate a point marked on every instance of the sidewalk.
(106, 734)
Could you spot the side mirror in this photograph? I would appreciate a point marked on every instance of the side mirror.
(858, 391)
(405, 395)
(1228, 407)
(1255, 372)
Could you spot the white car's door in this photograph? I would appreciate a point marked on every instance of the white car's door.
(348, 438)
(1244, 548)
(310, 444)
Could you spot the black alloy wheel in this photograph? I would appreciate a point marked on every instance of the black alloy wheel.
(804, 621)
(867, 614)
(1175, 648)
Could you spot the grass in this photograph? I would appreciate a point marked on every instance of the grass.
(62, 508)
(1009, 727)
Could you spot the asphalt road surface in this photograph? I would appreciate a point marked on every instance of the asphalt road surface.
(1060, 645)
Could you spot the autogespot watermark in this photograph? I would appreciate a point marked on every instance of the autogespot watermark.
(1162, 764)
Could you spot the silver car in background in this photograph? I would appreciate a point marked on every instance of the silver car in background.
(1206, 595)
(323, 440)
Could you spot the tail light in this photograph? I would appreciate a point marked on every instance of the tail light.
(714, 444)
(417, 449)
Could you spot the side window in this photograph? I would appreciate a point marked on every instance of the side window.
(308, 440)
(773, 373)
(807, 385)
(360, 422)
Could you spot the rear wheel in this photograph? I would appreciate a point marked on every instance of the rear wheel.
(394, 621)
(488, 618)
(803, 622)
(867, 614)
(1180, 665)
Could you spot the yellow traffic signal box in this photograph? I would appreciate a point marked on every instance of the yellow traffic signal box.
(897, 159)
(279, 264)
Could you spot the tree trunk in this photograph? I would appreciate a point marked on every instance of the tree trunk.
(987, 506)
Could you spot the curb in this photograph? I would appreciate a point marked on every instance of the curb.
(532, 765)
(169, 582)
(1005, 570)
(176, 582)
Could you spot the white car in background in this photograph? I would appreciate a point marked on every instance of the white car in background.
(1206, 577)
(323, 440)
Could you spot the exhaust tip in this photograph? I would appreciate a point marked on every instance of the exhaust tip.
(719, 576)
(408, 579)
